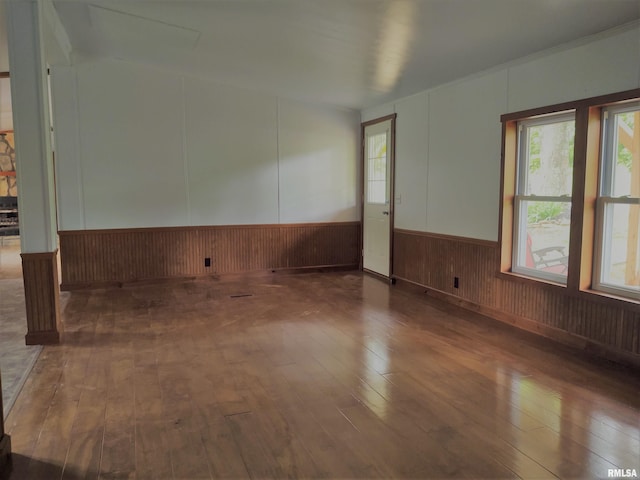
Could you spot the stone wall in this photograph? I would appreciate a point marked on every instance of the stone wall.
(8, 187)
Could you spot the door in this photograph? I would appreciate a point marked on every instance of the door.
(378, 197)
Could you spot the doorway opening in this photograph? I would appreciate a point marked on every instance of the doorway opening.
(16, 358)
(378, 157)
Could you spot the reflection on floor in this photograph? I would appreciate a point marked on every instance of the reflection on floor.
(335, 375)
(16, 358)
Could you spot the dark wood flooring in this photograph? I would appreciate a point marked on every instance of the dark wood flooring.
(334, 375)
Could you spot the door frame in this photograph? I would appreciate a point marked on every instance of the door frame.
(392, 175)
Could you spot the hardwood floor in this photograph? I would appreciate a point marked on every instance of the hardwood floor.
(16, 358)
(334, 375)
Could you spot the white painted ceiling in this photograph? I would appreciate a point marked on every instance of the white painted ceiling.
(352, 53)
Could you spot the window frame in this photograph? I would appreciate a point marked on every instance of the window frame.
(605, 197)
(582, 242)
(521, 196)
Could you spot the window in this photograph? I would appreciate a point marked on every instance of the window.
(570, 204)
(617, 262)
(377, 169)
(542, 204)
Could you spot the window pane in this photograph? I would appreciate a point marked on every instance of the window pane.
(544, 236)
(619, 220)
(545, 169)
(549, 152)
(378, 145)
(377, 169)
(625, 143)
(621, 248)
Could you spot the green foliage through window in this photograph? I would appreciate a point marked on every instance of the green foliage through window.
(544, 211)
(624, 155)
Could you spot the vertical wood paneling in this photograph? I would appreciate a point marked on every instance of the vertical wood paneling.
(108, 256)
(630, 335)
(433, 261)
(42, 300)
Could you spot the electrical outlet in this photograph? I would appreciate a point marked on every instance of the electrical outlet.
(207, 262)
(456, 282)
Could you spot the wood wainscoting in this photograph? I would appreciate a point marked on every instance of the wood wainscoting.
(103, 257)
(610, 329)
(42, 297)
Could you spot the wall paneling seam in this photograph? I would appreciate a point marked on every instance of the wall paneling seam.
(185, 159)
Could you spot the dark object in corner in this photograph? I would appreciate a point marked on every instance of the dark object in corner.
(5, 445)
(9, 224)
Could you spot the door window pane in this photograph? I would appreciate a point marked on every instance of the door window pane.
(377, 169)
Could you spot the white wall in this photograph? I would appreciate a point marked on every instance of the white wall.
(411, 173)
(464, 157)
(313, 145)
(231, 147)
(139, 147)
(6, 114)
(605, 65)
(130, 148)
(449, 138)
